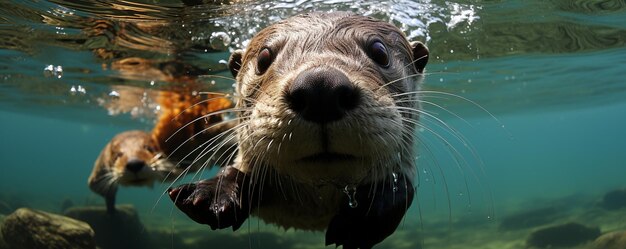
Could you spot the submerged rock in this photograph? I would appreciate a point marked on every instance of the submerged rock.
(27, 228)
(530, 218)
(3, 245)
(566, 235)
(614, 240)
(615, 199)
(119, 230)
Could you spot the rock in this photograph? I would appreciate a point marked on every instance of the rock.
(615, 199)
(530, 218)
(3, 245)
(566, 235)
(614, 240)
(27, 228)
(119, 230)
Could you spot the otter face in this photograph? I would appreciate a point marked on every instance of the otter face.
(133, 157)
(329, 100)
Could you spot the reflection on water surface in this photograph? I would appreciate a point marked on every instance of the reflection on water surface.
(551, 71)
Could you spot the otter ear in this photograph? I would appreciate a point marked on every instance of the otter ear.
(234, 62)
(420, 55)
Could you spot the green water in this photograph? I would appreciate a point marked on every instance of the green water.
(550, 72)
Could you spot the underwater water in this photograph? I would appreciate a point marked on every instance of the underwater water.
(537, 104)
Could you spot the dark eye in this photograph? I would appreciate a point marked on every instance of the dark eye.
(150, 149)
(264, 60)
(378, 53)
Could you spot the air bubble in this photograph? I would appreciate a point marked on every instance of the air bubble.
(395, 182)
(219, 41)
(350, 191)
(78, 90)
(53, 71)
(114, 94)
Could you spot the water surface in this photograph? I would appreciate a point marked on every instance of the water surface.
(550, 72)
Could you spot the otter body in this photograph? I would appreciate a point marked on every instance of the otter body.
(328, 108)
(131, 158)
(139, 158)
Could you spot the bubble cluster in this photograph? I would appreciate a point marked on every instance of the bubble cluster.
(53, 71)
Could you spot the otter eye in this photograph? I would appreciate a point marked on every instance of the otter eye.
(378, 53)
(263, 61)
(150, 149)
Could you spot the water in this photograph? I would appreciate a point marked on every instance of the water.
(550, 72)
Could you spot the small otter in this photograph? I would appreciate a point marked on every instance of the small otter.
(131, 158)
(327, 112)
(140, 158)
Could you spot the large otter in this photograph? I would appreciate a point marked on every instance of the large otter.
(328, 107)
(139, 158)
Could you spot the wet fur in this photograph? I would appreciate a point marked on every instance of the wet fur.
(110, 171)
(269, 179)
(168, 151)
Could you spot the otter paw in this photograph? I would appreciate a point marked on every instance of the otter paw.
(216, 202)
(372, 221)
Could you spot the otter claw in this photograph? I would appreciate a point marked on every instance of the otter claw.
(218, 202)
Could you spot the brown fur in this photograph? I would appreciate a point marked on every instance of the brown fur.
(275, 140)
(170, 149)
(126, 146)
(304, 44)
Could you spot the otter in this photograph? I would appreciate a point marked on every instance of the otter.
(131, 158)
(327, 109)
(140, 158)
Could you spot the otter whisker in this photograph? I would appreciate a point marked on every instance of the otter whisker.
(437, 106)
(229, 110)
(424, 92)
(216, 76)
(200, 133)
(197, 104)
(208, 147)
(216, 150)
(416, 60)
(458, 158)
(183, 174)
(397, 80)
(452, 130)
(455, 133)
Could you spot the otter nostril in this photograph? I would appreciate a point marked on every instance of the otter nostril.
(322, 95)
(135, 165)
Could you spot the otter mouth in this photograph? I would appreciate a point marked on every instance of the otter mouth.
(327, 157)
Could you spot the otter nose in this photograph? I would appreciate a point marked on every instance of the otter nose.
(322, 95)
(135, 165)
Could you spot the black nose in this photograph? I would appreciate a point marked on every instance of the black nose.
(135, 165)
(322, 95)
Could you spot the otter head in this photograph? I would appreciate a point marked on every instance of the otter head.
(328, 98)
(131, 158)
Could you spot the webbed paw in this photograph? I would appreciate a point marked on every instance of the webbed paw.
(219, 202)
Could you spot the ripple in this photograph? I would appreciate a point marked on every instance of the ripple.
(148, 45)
(591, 6)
